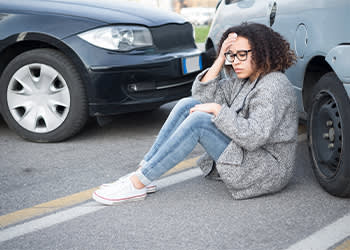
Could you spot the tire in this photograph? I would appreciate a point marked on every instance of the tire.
(328, 128)
(42, 96)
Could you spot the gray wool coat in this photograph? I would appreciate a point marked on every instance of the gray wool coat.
(260, 158)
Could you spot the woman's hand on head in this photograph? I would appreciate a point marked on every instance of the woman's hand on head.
(227, 44)
(215, 69)
(211, 108)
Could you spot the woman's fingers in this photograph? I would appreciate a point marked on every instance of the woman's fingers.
(211, 108)
(227, 44)
(195, 108)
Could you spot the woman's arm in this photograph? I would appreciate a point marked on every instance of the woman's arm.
(215, 69)
(205, 85)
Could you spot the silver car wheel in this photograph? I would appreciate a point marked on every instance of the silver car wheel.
(38, 98)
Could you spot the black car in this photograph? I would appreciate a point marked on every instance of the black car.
(62, 61)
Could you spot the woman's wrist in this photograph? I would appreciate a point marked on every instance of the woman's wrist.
(217, 109)
(214, 70)
(219, 63)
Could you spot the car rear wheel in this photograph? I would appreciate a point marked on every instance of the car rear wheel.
(329, 135)
(42, 96)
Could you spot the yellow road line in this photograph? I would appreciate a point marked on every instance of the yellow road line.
(344, 246)
(44, 208)
(51, 206)
(183, 165)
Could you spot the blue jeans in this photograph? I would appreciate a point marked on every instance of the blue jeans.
(178, 137)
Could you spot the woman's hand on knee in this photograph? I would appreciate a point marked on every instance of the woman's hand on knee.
(211, 108)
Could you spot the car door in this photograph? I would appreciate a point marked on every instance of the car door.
(287, 19)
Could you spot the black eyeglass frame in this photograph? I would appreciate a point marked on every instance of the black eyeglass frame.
(228, 58)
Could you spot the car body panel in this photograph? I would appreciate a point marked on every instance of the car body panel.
(228, 16)
(109, 11)
(338, 58)
(32, 24)
(106, 73)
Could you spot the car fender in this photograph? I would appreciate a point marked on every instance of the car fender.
(338, 59)
(34, 39)
(73, 25)
(39, 37)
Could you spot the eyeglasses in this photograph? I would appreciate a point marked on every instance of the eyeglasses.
(241, 55)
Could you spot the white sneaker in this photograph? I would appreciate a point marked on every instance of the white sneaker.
(150, 188)
(120, 191)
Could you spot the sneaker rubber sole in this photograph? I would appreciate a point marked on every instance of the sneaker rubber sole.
(149, 188)
(106, 201)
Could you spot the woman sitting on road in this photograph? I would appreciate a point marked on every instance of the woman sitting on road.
(247, 123)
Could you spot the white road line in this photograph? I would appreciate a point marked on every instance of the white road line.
(47, 221)
(179, 177)
(90, 207)
(326, 237)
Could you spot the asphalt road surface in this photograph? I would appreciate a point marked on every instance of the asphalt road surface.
(44, 203)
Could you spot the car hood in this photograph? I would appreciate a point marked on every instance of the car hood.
(107, 11)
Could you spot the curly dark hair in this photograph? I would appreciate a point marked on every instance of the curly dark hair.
(270, 51)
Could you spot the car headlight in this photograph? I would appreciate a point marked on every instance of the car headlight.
(120, 38)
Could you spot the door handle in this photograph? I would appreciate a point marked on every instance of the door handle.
(273, 14)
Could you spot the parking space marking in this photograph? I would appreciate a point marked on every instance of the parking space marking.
(44, 208)
(90, 207)
(344, 246)
(326, 237)
(47, 221)
(183, 165)
(51, 206)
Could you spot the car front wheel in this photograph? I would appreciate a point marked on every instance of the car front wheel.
(42, 96)
(329, 135)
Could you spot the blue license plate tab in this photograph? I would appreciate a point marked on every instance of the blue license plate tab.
(191, 64)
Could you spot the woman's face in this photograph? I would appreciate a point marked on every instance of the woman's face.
(243, 68)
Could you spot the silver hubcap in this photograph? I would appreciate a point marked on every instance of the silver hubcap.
(38, 98)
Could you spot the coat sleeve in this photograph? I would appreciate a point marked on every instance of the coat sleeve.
(265, 112)
(206, 92)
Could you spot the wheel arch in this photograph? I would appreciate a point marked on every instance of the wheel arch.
(209, 44)
(37, 41)
(315, 69)
(210, 52)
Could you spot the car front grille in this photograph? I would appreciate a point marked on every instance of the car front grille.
(161, 88)
(172, 36)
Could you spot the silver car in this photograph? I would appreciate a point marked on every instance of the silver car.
(319, 33)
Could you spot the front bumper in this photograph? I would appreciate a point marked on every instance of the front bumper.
(139, 80)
